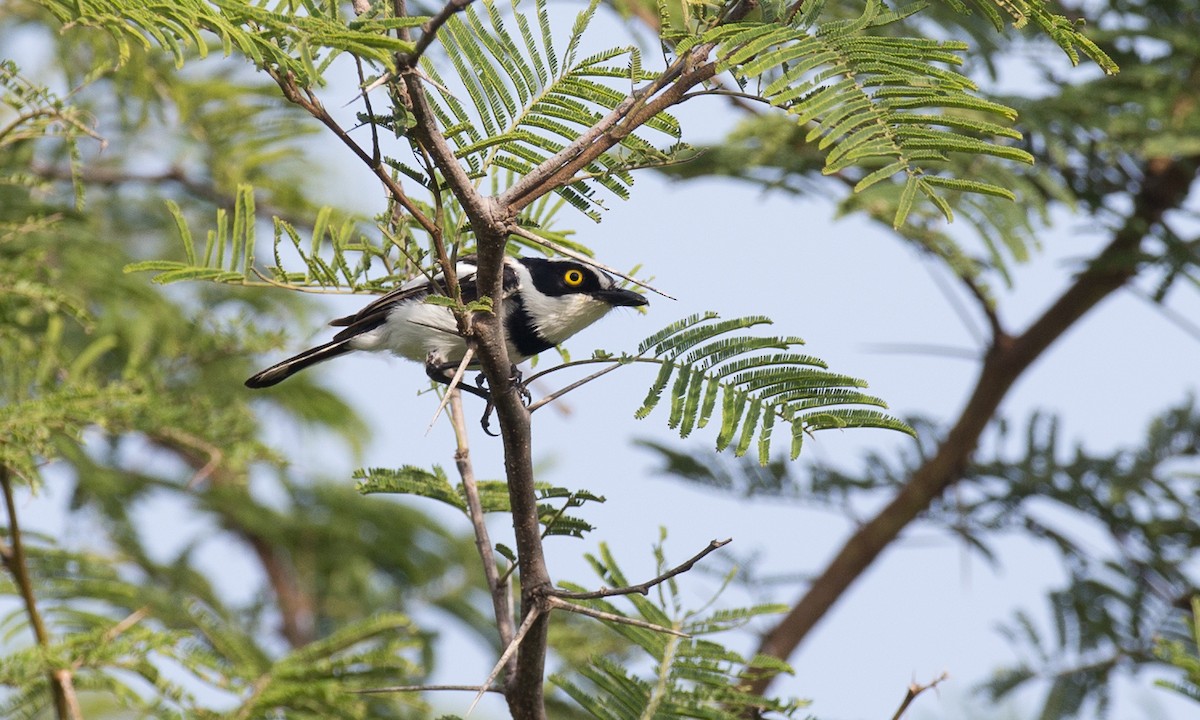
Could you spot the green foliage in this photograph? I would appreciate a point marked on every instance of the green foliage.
(758, 380)
(283, 40)
(692, 677)
(872, 101)
(1119, 607)
(129, 396)
(118, 636)
(493, 495)
(528, 102)
(1178, 654)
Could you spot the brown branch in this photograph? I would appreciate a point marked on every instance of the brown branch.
(61, 686)
(1164, 188)
(429, 29)
(423, 688)
(613, 617)
(310, 103)
(642, 588)
(483, 543)
(631, 113)
(915, 689)
(115, 177)
(524, 685)
(527, 624)
(296, 606)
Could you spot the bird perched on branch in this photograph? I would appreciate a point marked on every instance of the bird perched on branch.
(545, 302)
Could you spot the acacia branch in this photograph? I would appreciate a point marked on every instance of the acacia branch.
(61, 685)
(483, 543)
(613, 617)
(174, 175)
(915, 689)
(642, 588)
(424, 688)
(297, 609)
(1165, 186)
(524, 685)
(310, 103)
(429, 29)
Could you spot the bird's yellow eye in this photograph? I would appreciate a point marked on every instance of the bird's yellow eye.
(573, 277)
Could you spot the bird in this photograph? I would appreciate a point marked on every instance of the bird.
(546, 301)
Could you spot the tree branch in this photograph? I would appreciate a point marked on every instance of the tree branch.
(309, 102)
(613, 617)
(423, 688)
(915, 689)
(429, 29)
(114, 177)
(642, 588)
(462, 459)
(1165, 187)
(61, 685)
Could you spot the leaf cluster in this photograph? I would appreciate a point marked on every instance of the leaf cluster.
(528, 101)
(299, 38)
(1123, 594)
(493, 496)
(693, 677)
(758, 380)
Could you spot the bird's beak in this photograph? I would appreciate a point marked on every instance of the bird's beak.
(621, 298)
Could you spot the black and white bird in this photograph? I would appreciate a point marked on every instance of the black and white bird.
(545, 302)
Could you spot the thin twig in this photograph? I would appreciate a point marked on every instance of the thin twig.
(429, 29)
(578, 383)
(376, 153)
(915, 689)
(498, 588)
(539, 240)
(450, 390)
(309, 102)
(509, 651)
(63, 689)
(642, 588)
(613, 617)
(423, 688)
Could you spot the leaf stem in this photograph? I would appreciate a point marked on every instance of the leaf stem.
(642, 588)
(65, 701)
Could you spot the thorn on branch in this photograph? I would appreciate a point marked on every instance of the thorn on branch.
(534, 613)
(642, 588)
(915, 689)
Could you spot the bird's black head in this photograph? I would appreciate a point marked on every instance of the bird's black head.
(557, 278)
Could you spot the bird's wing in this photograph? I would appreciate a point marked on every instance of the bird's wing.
(376, 313)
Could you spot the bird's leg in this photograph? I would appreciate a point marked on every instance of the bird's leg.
(442, 372)
(515, 379)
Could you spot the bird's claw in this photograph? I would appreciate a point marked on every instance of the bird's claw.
(515, 379)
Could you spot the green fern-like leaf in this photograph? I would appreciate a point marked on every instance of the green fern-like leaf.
(297, 44)
(759, 382)
(524, 103)
(873, 101)
(692, 677)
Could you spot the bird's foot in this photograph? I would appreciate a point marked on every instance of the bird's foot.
(514, 378)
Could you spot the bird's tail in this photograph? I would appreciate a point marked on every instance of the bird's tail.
(279, 372)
